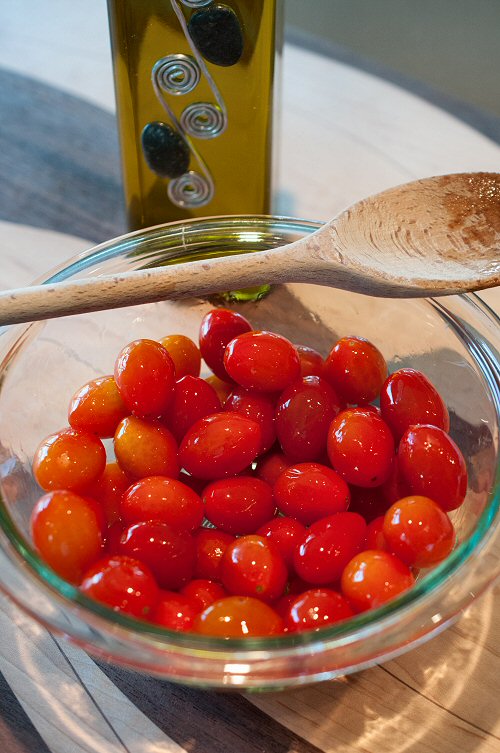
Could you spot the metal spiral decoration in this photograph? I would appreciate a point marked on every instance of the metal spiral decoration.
(190, 190)
(176, 74)
(203, 120)
(196, 3)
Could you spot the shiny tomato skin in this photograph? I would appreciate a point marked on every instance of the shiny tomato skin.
(408, 397)
(210, 545)
(262, 361)
(375, 538)
(433, 466)
(238, 505)
(356, 369)
(122, 583)
(169, 554)
(316, 608)
(258, 407)
(145, 376)
(238, 617)
(194, 398)
(108, 490)
(285, 534)
(67, 531)
(162, 498)
(304, 413)
(329, 545)
(218, 327)
(374, 577)
(97, 407)
(220, 445)
(311, 362)
(418, 531)
(268, 467)
(203, 592)
(174, 611)
(145, 448)
(310, 491)
(69, 459)
(360, 447)
(184, 353)
(251, 566)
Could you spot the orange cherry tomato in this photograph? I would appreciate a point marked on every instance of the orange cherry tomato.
(238, 617)
(97, 407)
(144, 448)
(184, 353)
(145, 375)
(374, 577)
(69, 459)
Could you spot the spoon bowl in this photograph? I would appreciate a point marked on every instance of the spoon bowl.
(432, 237)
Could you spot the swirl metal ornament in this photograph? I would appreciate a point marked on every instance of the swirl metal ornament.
(203, 120)
(176, 74)
(190, 190)
(196, 3)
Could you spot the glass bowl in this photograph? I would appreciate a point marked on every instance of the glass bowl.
(455, 341)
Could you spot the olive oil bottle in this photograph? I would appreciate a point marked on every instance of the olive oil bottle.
(196, 86)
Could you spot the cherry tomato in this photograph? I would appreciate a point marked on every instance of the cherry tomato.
(219, 445)
(122, 583)
(433, 466)
(108, 490)
(356, 369)
(203, 592)
(360, 447)
(418, 531)
(193, 399)
(304, 413)
(329, 545)
(374, 577)
(311, 362)
(251, 566)
(169, 554)
(269, 467)
(238, 617)
(259, 408)
(370, 503)
(217, 329)
(165, 499)
(238, 505)
(174, 611)
(67, 531)
(145, 376)
(97, 407)
(285, 534)
(184, 353)
(144, 448)
(315, 608)
(210, 545)
(262, 361)
(69, 459)
(310, 491)
(408, 398)
(375, 538)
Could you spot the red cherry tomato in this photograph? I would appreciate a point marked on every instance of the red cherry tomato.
(239, 505)
(360, 447)
(97, 407)
(408, 398)
(217, 329)
(165, 499)
(67, 531)
(210, 545)
(69, 459)
(375, 538)
(144, 448)
(251, 566)
(315, 608)
(203, 592)
(433, 466)
(145, 376)
(108, 490)
(270, 466)
(169, 554)
(311, 362)
(418, 531)
(122, 583)
(356, 369)
(184, 353)
(285, 534)
(175, 611)
(374, 577)
(329, 545)
(304, 413)
(219, 445)
(310, 491)
(262, 361)
(238, 617)
(194, 398)
(259, 408)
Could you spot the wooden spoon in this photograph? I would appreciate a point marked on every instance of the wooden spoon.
(432, 237)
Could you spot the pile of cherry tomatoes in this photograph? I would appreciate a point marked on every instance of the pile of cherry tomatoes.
(272, 496)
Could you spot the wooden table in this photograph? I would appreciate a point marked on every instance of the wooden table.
(59, 174)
